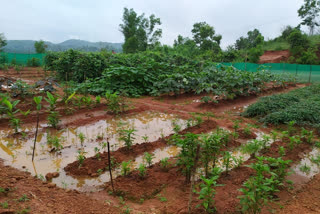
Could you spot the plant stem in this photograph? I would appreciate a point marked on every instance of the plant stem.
(192, 177)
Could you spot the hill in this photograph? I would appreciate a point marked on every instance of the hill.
(27, 46)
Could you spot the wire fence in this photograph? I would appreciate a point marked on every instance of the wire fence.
(304, 73)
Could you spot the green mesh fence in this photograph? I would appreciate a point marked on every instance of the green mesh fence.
(20, 59)
(304, 73)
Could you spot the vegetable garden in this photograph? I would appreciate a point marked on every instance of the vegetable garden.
(154, 133)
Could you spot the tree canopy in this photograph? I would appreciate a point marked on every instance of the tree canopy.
(204, 36)
(309, 12)
(40, 46)
(139, 32)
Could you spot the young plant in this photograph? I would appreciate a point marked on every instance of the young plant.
(247, 131)
(291, 128)
(274, 135)
(307, 136)
(305, 168)
(116, 104)
(207, 193)
(164, 164)
(97, 153)
(125, 168)
(126, 135)
(81, 137)
(188, 144)
(142, 170)
(98, 100)
(145, 138)
(252, 147)
(147, 157)
(53, 118)
(226, 161)
(237, 161)
(81, 157)
(54, 141)
(210, 150)
(282, 151)
(294, 141)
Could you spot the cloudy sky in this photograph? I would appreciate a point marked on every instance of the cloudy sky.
(98, 20)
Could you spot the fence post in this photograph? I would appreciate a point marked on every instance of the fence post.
(297, 69)
(310, 73)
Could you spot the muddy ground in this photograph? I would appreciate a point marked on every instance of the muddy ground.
(161, 191)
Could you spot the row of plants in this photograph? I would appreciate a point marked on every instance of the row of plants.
(301, 105)
(153, 73)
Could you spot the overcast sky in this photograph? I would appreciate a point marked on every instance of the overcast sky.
(98, 20)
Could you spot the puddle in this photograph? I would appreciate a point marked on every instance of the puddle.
(309, 166)
(18, 152)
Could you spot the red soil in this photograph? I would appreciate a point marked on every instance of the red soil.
(274, 56)
(45, 198)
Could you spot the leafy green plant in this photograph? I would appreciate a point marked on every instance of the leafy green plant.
(164, 163)
(210, 146)
(305, 168)
(127, 136)
(188, 144)
(4, 205)
(148, 158)
(115, 103)
(54, 141)
(81, 157)
(226, 161)
(81, 137)
(252, 147)
(53, 117)
(208, 192)
(125, 168)
(142, 170)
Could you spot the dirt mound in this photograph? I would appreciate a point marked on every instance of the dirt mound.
(274, 56)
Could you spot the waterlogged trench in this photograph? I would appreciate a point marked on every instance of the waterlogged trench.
(17, 152)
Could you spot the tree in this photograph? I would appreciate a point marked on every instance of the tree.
(205, 37)
(186, 46)
(253, 40)
(3, 41)
(40, 46)
(139, 32)
(298, 42)
(309, 13)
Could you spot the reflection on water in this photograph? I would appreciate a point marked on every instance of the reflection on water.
(17, 152)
